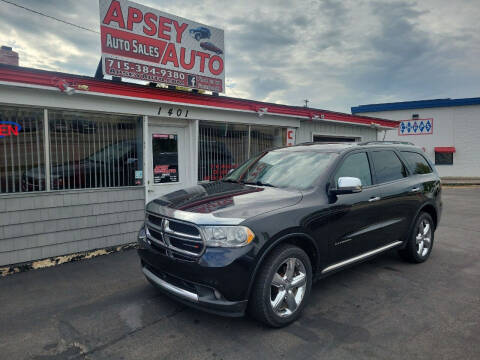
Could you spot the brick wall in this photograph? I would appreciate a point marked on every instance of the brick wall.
(37, 226)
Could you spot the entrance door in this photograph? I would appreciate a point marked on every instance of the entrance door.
(167, 160)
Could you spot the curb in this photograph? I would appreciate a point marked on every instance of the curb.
(58, 260)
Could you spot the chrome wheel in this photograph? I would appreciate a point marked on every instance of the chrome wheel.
(288, 287)
(424, 238)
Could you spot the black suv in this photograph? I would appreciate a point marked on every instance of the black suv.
(258, 238)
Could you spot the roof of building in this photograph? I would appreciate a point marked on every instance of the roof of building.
(417, 104)
(21, 76)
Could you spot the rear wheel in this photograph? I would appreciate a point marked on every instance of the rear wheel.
(282, 287)
(420, 243)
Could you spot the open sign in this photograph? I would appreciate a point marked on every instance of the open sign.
(9, 128)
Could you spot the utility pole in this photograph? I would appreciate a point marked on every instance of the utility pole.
(306, 102)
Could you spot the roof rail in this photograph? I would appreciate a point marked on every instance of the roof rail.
(386, 142)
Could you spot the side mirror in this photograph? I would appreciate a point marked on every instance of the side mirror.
(230, 171)
(347, 185)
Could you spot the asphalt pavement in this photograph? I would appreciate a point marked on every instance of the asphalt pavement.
(103, 308)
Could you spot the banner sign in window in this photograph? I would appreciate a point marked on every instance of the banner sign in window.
(415, 127)
(142, 43)
(165, 158)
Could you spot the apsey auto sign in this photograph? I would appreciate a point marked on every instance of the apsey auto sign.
(142, 43)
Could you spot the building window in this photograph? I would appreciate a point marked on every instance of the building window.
(221, 147)
(444, 155)
(89, 150)
(22, 160)
(224, 146)
(442, 158)
(265, 137)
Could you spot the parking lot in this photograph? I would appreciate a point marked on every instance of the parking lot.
(103, 308)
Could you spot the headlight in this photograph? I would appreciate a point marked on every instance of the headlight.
(142, 235)
(227, 236)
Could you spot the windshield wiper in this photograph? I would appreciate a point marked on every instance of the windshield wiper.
(230, 181)
(259, 183)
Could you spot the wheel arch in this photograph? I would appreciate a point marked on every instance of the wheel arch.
(302, 240)
(432, 211)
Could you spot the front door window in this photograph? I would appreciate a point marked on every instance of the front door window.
(165, 158)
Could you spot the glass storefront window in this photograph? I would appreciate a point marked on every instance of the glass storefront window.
(22, 160)
(90, 150)
(224, 146)
(265, 137)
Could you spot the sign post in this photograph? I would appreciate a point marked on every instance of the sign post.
(142, 43)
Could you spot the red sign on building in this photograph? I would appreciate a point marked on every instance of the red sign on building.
(142, 43)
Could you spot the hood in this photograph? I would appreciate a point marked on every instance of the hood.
(222, 202)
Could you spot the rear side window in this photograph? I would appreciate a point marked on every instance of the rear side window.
(388, 166)
(417, 162)
(355, 165)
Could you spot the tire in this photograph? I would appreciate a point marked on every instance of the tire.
(420, 242)
(289, 307)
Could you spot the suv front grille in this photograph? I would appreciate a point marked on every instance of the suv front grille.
(180, 239)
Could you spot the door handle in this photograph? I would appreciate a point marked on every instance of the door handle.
(150, 190)
(415, 189)
(372, 199)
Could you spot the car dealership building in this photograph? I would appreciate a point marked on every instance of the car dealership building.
(80, 157)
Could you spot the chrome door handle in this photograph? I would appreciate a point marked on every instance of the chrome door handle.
(372, 199)
(415, 189)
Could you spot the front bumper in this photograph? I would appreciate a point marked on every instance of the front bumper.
(203, 299)
(217, 282)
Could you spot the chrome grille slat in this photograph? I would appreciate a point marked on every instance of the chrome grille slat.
(161, 234)
(179, 234)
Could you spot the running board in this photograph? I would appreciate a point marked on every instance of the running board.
(360, 257)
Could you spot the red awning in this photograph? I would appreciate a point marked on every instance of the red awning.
(445, 149)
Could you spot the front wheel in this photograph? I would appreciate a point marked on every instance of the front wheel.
(420, 243)
(282, 287)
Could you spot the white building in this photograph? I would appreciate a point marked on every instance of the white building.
(447, 129)
(79, 156)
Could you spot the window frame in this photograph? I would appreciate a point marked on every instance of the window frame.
(396, 152)
(46, 154)
(412, 171)
(340, 162)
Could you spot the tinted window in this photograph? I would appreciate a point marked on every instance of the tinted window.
(417, 162)
(388, 166)
(355, 165)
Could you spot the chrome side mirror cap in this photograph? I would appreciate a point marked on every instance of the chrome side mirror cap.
(347, 185)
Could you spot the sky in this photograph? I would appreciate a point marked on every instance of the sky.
(336, 54)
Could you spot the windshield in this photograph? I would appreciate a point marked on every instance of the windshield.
(283, 169)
